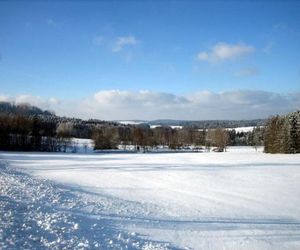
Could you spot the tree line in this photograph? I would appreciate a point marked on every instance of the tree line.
(282, 134)
(143, 137)
(23, 127)
(205, 124)
(33, 134)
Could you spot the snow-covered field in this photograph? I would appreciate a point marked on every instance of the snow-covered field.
(243, 129)
(241, 199)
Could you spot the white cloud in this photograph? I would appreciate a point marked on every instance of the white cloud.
(122, 42)
(222, 52)
(38, 101)
(54, 101)
(147, 105)
(4, 98)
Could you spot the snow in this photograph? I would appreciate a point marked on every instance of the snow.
(172, 126)
(240, 199)
(82, 145)
(176, 127)
(155, 126)
(243, 129)
(131, 122)
(239, 129)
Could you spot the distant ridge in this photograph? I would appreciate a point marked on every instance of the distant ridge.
(198, 124)
(210, 123)
(31, 111)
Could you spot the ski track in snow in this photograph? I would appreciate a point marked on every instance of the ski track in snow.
(38, 214)
(241, 199)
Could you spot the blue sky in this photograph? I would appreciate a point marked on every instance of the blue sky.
(57, 53)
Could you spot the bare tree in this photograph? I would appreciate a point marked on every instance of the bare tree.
(105, 137)
(220, 138)
(64, 132)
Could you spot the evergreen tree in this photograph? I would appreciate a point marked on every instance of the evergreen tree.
(282, 134)
(294, 133)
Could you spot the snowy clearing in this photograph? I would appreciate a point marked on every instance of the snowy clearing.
(243, 129)
(241, 199)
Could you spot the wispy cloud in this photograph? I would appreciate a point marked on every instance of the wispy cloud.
(268, 48)
(222, 52)
(246, 72)
(123, 46)
(286, 28)
(145, 104)
(98, 40)
(51, 22)
(122, 42)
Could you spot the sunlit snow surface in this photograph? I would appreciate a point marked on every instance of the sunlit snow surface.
(241, 199)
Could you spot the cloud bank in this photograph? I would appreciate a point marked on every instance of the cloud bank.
(150, 105)
(38, 101)
(221, 52)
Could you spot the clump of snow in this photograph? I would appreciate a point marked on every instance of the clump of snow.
(76, 226)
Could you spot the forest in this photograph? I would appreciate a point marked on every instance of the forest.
(282, 134)
(28, 128)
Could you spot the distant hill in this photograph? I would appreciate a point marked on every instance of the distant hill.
(23, 109)
(199, 124)
(210, 123)
(46, 115)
